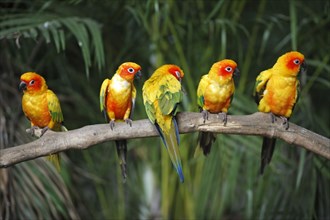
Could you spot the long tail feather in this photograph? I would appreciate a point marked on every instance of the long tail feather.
(267, 151)
(205, 141)
(122, 156)
(170, 141)
(55, 159)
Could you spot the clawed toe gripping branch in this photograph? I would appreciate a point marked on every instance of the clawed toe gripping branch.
(255, 124)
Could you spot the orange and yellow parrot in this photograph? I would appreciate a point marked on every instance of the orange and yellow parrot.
(276, 92)
(42, 107)
(214, 95)
(161, 95)
(117, 101)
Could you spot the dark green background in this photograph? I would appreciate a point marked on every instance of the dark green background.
(44, 36)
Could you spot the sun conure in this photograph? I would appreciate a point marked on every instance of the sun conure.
(214, 95)
(161, 95)
(42, 107)
(276, 92)
(117, 101)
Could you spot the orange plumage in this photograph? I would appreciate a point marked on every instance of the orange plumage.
(214, 94)
(117, 100)
(41, 106)
(276, 92)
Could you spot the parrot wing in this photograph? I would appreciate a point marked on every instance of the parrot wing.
(57, 116)
(166, 90)
(103, 96)
(54, 107)
(204, 82)
(169, 94)
(133, 101)
(261, 83)
(298, 92)
(169, 100)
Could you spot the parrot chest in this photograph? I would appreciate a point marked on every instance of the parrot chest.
(280, 95)
(35, 107)
(119, 98)
(217, 97)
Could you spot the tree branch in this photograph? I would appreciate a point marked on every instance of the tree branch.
(82, 138)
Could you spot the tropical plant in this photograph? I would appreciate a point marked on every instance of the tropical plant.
(73, 43)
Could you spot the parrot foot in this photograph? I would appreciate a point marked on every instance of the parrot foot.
(285, 122)
(129, 121)
(32, 130)
(36, 131)
(273, 117)
(112, 124)
(44, 130)
(205, 114)
(224, 117)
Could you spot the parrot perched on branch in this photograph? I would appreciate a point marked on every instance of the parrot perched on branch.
(117, 101)
(42, 107)
(214, 95)
(161, 94)
(276, 92)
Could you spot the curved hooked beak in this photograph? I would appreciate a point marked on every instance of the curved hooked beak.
(303, 67)
(138, 75)
(22, 86)
(236, 72)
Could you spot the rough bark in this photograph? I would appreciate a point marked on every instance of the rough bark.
(82, 138)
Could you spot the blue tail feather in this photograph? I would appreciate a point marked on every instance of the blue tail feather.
(176, 130)
(160, 134)
(179, 171)
(175, 160)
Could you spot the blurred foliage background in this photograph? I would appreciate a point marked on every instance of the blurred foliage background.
(75, 44)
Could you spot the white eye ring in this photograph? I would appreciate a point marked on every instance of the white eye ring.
(178, 74)
(31, 82)
(296, 61)
(228, 69)
(130, 70)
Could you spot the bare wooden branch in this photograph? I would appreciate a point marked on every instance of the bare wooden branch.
(82, 138)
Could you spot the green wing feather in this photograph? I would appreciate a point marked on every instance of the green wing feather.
(54, 107)
(166, 90)
(200, 101)
(203, 83)
(168, 102)
(151, 112)
(170, 95)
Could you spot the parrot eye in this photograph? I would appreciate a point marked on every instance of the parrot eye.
(296, 61)
(177, 73)
(130, 70)
(31, 82)
(228, 69)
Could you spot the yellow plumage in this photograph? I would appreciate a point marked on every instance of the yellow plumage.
(214, 95)
(41, 106)
(161, 94)
(276, 92)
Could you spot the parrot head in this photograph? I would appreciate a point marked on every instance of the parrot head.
(129, 71)
(225, 69)
(32, 82)
(292, 62)
(173, 70)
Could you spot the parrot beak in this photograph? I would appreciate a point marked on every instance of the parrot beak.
(236, 72)
(138, 75)
(22, 86)
(303, 67)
